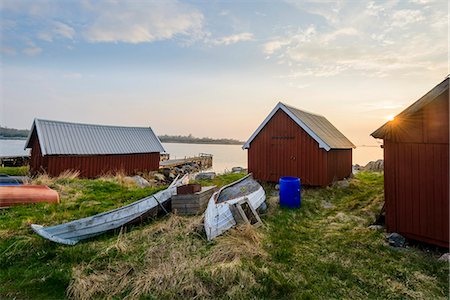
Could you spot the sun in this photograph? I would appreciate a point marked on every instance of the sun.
(390, 117)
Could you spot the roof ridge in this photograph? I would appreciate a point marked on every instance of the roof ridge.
(302, 110)
(89, 124)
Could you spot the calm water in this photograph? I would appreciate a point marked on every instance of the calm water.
(225, 156)
(12, 148)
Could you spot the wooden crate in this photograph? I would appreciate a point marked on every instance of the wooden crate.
(190, 188)
(192, 204)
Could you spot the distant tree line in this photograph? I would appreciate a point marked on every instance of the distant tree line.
(189, 139)
(6, 132)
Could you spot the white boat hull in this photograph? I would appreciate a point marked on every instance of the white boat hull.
(72, 232)
(218, 216)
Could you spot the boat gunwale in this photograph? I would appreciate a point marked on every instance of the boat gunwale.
(42, 230)
(216, 194)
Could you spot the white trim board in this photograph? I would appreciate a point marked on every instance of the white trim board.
(299, 122)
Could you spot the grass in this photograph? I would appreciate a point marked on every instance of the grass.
(322, 251)
(15, 171)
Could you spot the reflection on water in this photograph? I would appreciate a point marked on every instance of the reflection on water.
(225, 156)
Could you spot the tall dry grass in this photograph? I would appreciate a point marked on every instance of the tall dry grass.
(173, 260)
(45, 179)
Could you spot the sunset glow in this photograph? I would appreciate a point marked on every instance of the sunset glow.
(216, 69)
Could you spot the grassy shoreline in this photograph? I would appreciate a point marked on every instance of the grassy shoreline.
(323, 250)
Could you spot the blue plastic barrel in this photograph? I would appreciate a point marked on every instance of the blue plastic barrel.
(290, 192)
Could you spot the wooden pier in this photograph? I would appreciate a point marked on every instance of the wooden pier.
(14, 161)
(203, 161)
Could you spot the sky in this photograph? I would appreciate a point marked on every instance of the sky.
(217, 68)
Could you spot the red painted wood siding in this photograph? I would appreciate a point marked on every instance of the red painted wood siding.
(339, 164)
(282, 148)
(416, 168)
(91, 166)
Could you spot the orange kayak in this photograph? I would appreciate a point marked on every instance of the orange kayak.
(26, 194)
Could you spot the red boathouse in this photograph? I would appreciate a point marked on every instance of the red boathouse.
(93, 150)
(416, 168)
(292, 142)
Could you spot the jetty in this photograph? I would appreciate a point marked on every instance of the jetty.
(201, 161)
(14, 160)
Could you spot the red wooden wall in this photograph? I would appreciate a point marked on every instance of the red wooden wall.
(417, 175)
(91, 166)
(282, 148)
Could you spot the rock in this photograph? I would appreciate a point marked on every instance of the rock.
(160, 177)
(205, 175)
(166, 172)
(140, 182)
(137, 180)
(326, 204)
(445, 257)
(374, 166)
(277, 187)
(376, 227)
(262, 208)
(152, 182)
(342, 183)
(356, 167)
(396, 240)
(237, 169)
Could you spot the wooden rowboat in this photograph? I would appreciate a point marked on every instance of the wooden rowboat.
(72, 232)
(26, 194)
(218, 215)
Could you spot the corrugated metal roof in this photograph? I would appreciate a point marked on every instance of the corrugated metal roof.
(318, 127)
(413, 108)
(63, 138)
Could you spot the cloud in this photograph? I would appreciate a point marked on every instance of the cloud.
(365, 38)
(8, 50)
(406, 17)
(233, 39)
(45, 36)
(58, 30)
(32, 50)
(63, 30)
(300, 36)
(139, 22)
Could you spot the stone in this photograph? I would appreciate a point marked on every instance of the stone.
(160, 177)
(237, 169)
(396, 240)
(374, 166)
(376, 227)
(445, 257)
(262, 208)
(166, 172)
(342, 183)
(137, 180)
(277, 187)
(205, 175)
(140, 182)
(326, 204)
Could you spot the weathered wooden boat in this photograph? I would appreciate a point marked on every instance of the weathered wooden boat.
(72, 232)
(26, 194)
(218, 215)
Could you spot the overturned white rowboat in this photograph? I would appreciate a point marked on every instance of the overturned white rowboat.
(72, 232)
(219, 217)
